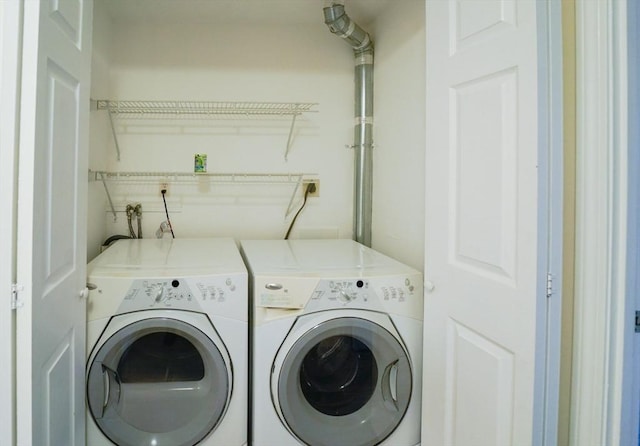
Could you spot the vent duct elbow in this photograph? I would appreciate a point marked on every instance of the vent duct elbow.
(341, 25)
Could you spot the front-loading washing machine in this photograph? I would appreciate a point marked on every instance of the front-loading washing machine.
(167, 338)
(336, 344)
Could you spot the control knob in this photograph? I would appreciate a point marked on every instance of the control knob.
(345, 294)
(157, 293)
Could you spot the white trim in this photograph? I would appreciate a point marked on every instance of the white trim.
(601, 198)
(10, 47)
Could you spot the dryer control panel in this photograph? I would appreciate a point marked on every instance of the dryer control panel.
(193, 293)
(146, 294)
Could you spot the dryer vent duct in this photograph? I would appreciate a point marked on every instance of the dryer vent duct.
(341, 25)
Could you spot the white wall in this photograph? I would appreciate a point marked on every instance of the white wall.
(99, 131)
(229, 63)
(297, 63)
(399, 137)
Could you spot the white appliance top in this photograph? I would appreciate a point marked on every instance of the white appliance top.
(319, 258)
(134, 258)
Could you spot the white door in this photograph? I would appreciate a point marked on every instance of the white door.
(481, 226)
(51, 259)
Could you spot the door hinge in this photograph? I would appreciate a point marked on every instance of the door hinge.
(637, 321)
(549, 285)
(16, 302)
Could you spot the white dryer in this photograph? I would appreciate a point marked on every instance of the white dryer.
(167, 339)
(336, 344)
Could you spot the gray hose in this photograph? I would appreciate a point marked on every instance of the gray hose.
(138, 211)
(130, 211)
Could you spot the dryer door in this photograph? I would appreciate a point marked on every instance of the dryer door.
(346, 381)
(158, 382)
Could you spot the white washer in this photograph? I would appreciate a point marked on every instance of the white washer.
(167, 339)
(336, 344)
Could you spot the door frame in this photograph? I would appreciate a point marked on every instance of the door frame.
(550, 223)
(630, 413)
(10, 50)
(601, 317)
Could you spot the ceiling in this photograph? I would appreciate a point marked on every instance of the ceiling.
(239, 11)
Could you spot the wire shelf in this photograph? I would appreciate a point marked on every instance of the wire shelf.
(190, 177)
(178, 109)
(203, 110)
(294, 179)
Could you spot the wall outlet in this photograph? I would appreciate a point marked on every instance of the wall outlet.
(315, 189)
(164, 187)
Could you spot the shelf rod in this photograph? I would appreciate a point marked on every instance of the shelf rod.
(293, 123)
(293, 195)
(106, 189)
(113, 131)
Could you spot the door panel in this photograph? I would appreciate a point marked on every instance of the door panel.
(481, 234)
(67, 15)
(59, 158)
(479, 370)
(474, 21)
(484, 165)
(51, 258)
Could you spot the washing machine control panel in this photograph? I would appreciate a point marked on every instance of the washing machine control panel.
(341, 293)
(366, 293)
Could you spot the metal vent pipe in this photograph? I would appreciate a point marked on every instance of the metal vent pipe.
(341, 25)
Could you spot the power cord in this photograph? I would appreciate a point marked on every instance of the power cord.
(311, 188)
(166, 211)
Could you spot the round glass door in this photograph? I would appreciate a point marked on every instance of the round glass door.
(158, 382)
(346, 381)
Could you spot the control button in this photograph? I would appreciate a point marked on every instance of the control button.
(359, 283)
(175, 283)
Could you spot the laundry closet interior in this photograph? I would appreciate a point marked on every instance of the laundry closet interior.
(266, 92)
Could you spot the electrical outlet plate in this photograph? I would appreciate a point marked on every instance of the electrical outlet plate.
(316, 181)
(164, 186)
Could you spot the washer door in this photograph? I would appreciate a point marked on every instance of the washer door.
(346, 381)
(158, 382)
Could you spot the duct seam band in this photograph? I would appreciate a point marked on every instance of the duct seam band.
(363, 120)
(363, 146)
(349, 31)
(365, 43)
(364, 59)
